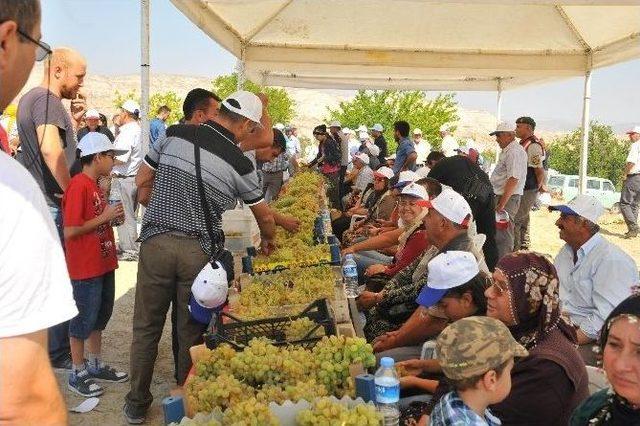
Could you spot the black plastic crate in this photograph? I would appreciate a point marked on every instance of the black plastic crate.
(237, 333)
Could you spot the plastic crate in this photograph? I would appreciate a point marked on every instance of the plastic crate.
(238, 333)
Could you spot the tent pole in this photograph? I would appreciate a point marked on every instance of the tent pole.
(240, 67)
(499, 101)
(144, 74)
(584, 148)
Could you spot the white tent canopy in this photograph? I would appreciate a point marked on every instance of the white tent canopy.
(419, 44)
(422, 44)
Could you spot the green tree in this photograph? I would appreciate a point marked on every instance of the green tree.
(607, 153)
(281, 106)
(388, 106)
(170, 99)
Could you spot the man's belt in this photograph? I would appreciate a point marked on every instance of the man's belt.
(633, 174)
(119, 176)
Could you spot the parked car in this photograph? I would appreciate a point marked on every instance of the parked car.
(565, 187)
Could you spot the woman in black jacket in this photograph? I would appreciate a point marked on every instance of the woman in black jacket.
(328, 159)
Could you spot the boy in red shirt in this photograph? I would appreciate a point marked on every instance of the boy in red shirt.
(91, 261)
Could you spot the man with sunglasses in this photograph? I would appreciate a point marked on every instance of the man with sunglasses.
(34, 283)
(595, 275)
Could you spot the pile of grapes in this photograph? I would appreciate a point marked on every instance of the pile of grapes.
(325, 411)
(300, 198)
(268, 295)
(242, 384)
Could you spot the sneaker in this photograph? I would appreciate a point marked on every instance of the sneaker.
(62, 363)
(631, 234)
(82, 384)
(107, 374)
(134, 416)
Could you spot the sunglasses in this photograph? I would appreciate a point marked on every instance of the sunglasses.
(43, 50)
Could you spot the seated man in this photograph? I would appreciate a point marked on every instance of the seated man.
(595, 275)
(446, 225)
(359, 177)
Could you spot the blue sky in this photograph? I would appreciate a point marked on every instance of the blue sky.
(107, 32)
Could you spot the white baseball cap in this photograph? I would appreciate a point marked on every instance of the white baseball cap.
(362, 128)
(503, 127)
(92, 113)
(208, 292)
(391, 157)
(377, 127)
(405, 178)
(451, 205)
(335, 123)
(373, 149)
(417, 131)
(131, 106)
(636, 129)
(96, 142)
(363, 135)
(415, 190)
(246, 104)
(279, 126)
(384, 171)
(362, 157)
(446, 271)
(444, 128)
(463, 150)
(347, 131)
(582, 205)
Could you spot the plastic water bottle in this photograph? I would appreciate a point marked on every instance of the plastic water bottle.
(326, 223)
(388, 392)
(114, 198)
(350, 276)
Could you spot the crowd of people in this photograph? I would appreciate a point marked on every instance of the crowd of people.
(441, 247)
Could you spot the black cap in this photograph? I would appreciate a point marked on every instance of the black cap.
(279, 140)
(320, 129)
(527, 120)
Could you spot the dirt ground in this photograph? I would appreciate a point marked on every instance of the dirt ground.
(117, 337)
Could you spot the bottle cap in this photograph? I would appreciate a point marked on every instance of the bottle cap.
(387, 362)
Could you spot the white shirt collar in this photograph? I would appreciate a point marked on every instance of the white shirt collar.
(587, 247)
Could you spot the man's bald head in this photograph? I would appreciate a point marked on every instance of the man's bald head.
(65, 73)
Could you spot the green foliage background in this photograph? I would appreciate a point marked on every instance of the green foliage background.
(607, 153)
(388, 106)
(170, 99)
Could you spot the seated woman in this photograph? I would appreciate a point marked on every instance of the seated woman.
(550, 383)
(411, 242)
(359, 178)
(376, 202)
(455, 287)
(619, 343)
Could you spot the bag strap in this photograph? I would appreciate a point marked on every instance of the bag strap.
(205, 206)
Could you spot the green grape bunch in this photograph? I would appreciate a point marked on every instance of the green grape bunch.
(250, 412)
(300, 329)
(325, 411)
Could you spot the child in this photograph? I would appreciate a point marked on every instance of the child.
(91, 261)
(476, 355)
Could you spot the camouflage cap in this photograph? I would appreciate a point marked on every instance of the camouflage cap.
(472, 346)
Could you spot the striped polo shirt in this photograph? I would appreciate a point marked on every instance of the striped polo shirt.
(175, 202)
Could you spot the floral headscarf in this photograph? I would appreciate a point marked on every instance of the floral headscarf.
(533, 297)
(616, 410)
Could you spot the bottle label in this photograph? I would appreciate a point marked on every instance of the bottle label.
(349, 271)
(387, 394)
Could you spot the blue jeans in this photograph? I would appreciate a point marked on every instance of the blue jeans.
(94, 298)
(364, 259)
(58, 334)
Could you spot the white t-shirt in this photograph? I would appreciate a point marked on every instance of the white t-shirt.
(634, 157)
(35, 290)
(423, 148)
(449, 145)
(129, 139)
